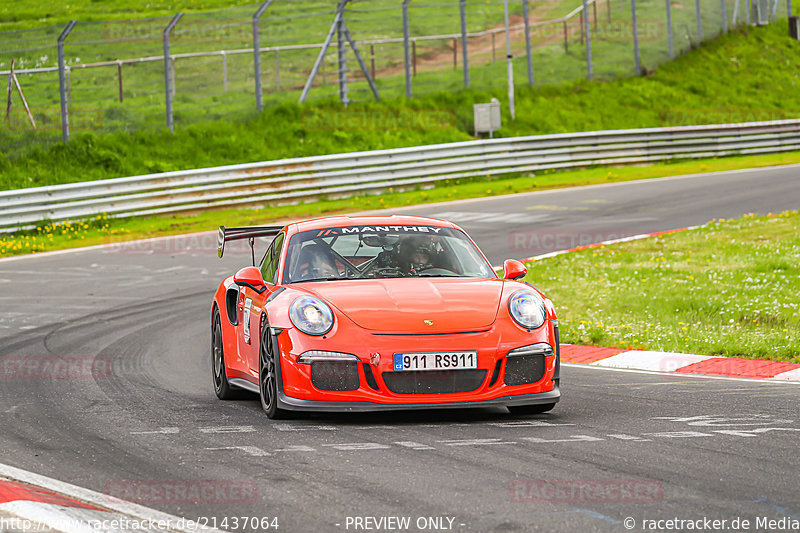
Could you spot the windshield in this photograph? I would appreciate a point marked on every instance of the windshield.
(382, 252)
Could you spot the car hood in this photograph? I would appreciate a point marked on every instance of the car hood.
(415, 305)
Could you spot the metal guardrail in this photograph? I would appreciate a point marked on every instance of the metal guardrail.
(342, 175)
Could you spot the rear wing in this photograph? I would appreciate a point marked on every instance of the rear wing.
(250, 233)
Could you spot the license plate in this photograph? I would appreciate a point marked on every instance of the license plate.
(435, 361)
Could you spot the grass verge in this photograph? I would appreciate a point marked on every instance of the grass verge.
(728, 288)
(102, 230)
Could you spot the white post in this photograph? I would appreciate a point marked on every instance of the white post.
(510, 63)
(224, 71)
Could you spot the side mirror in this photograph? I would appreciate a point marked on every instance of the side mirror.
(513, 269)
(250, 277)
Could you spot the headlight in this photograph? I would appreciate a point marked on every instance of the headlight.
(527, 309)
(311, 315)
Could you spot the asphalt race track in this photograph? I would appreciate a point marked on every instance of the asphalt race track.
(619, 446)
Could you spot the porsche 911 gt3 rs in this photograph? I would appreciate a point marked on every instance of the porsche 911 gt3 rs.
(380, 313)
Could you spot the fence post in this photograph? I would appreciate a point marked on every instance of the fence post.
(414, 56)
(342, 56)
(119, 78)
(372, 59)
(406, 51)
(670, 43)
(594, 11)
(10, 89)
(462, 4)
(224, 71)
(699, 20)
(278, 71)
(724, 16)
(321, 57)
(510, 63)
(62, 81)
(587, 31)
(168, 70)
(257, 53)
(527, 18)
(566, 42)
(370, 78)
(637, 58)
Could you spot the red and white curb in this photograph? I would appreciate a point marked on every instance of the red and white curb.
(680, 363)
(30, 502)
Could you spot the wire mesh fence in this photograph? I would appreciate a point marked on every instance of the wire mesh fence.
(116, 76)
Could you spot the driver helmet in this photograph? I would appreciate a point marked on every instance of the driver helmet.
(314, 262)
(417, 252)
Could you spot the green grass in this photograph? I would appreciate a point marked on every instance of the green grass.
(728, 288)
(101, 230)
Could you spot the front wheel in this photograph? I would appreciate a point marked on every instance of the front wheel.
(534, 409)
(268, 374)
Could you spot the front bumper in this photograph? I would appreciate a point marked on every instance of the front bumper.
(294, 404)
(369, 390)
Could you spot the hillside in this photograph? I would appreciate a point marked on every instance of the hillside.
(749, 74)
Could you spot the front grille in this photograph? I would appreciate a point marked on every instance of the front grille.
(434, 381)
(524, 369)
(335, 375)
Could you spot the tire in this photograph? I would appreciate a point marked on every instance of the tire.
(222, 387)
(534, 409)
(268, 374)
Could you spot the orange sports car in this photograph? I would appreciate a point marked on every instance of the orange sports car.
(380, 313)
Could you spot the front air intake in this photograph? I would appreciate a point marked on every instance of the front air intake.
(335, 375)
(526, 365)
